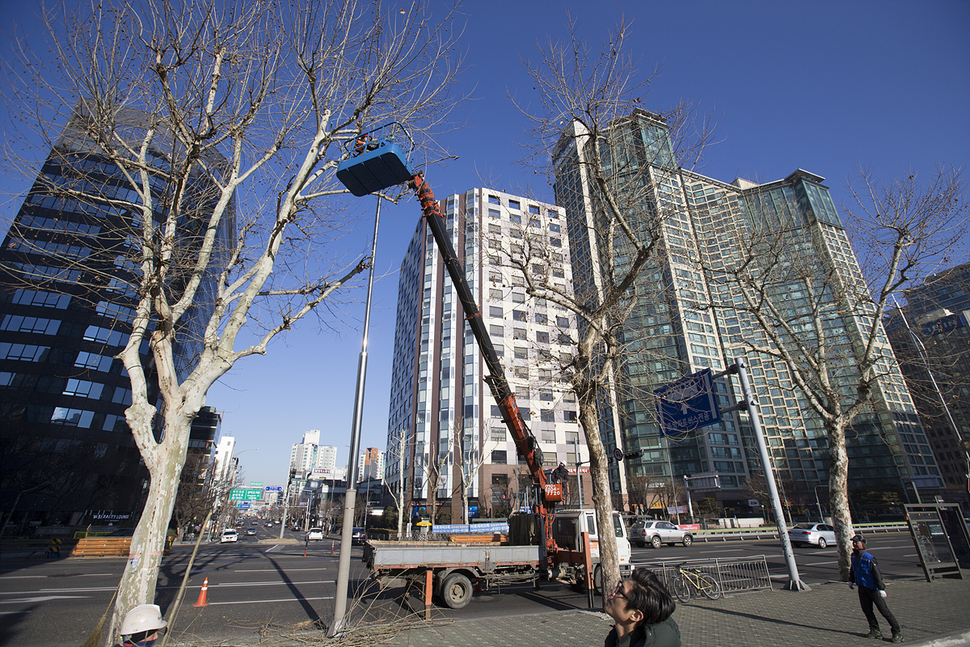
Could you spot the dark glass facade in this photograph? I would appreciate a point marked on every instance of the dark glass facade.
(67, 295)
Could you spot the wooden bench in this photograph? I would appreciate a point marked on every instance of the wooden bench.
(102, 547)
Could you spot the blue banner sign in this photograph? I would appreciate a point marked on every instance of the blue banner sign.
(687, 404)
(463, 528)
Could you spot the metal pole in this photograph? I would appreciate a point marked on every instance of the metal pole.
(818, 503)
(673, 488)
(350, 500)
(690, 506)
(794, 582)
(579, 475)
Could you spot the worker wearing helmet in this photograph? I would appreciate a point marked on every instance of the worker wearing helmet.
(142, 626)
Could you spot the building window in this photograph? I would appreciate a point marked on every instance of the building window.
(492, 199)
(569, 416)
(516, 218)
(547, 415)
(554, 228)
(519, 333)
(542, 337)
(555, 242)
(518, 315)
(562, 322)
(499, 457)
(545, 396)
(514, 204)
(494, 213)
(521, 353)
(495, 311)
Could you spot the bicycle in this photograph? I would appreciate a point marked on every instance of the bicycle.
(692, 581)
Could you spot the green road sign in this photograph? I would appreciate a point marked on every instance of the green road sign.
(245, 494)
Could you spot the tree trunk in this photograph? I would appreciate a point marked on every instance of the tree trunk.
(141, 572)
(839, 495)
(599, 474)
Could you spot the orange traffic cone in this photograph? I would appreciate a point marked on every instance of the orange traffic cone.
(203, 600)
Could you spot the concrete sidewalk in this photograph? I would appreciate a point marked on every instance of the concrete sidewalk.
(936, 613)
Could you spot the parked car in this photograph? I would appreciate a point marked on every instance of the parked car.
(314, 534)
(229, 535)
(657, 533)
(360, 534)
(250, 532)
(818, 534)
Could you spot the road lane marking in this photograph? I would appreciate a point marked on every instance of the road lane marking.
(300, 599)
(275, 570)
(44, 598)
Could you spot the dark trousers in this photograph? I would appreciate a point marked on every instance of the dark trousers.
(868, 597)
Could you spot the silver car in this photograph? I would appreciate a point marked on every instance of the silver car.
(817, 534)
(657, 533)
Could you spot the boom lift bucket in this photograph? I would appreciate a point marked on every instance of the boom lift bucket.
(377, 159)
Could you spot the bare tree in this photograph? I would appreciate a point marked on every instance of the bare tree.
(468, 462)
(815, 317)
(587, 114)
(398, 450)
(222, 125)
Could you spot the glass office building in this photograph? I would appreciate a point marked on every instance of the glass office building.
(682, 321)
(68, 287)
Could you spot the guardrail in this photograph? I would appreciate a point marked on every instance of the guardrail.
(736, 574)
(742, 534)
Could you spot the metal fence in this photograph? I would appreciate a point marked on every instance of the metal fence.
(737, 574)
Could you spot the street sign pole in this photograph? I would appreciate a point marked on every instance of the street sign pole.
(794, 582)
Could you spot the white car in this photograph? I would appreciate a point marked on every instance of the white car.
(817, 534)
(229, 536)
(658, 533)
(314, 534)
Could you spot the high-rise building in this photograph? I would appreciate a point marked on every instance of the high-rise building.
(370, 464)
(68, 288)
(222, 459)
(683, 322)
(445, 433)
(931, 338)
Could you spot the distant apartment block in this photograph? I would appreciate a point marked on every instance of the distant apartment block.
(370, 464)
(445, 433)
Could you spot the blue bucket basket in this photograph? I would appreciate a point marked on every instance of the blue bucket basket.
(376, 160)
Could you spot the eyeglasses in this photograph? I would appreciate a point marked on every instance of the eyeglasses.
(618, 591)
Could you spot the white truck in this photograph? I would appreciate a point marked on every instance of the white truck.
(457, 567)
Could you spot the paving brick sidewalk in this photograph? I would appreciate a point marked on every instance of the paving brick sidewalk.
(827, 616)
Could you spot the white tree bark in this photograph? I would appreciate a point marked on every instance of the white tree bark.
(249, 106)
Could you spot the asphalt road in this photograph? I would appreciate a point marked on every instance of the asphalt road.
(265, 585)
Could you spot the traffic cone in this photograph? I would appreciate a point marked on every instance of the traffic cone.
(203, 600)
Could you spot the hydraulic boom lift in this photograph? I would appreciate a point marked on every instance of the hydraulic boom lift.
(377, 160)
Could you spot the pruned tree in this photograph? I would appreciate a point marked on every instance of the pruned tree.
(214, 131)
(818, 317)
(398, 451)
(468, 461)
(587, 120)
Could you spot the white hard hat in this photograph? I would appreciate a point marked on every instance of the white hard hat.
(145, 617)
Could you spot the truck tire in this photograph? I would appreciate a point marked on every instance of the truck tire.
(456, 592)
(656, 542)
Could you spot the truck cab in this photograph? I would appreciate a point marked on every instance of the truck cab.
(568, 526)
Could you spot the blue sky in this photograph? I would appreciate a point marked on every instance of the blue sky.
(823, 86)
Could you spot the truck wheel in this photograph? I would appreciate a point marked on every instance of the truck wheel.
(457, 591)
(655, 541)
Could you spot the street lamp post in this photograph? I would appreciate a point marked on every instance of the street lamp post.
(818, 503)
(350, 498)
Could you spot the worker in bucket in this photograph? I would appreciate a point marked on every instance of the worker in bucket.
(142, 626)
